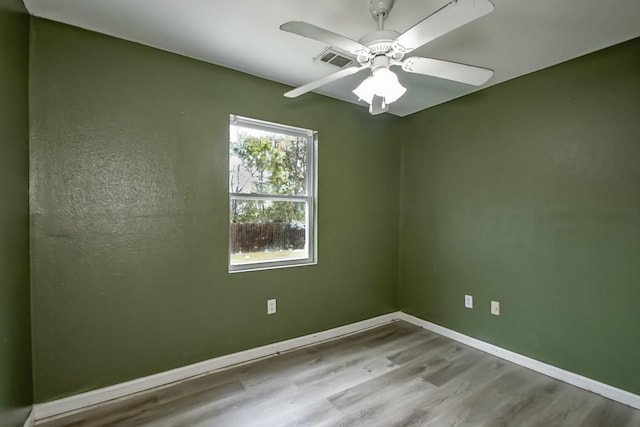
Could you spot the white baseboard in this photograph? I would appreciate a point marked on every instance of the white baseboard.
(31, 419)
(589, 384)
(95, 397)
(102, 395)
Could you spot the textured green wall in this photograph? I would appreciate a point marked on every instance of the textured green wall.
(129, 212)
(529, 193)
(15, 334)
(526, 192)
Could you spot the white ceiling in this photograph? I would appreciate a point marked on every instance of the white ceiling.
(519, 37)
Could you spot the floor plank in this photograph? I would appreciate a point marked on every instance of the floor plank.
(394, 375)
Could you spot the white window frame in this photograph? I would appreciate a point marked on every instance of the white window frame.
(310, 198)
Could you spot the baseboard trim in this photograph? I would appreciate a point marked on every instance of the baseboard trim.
(102, 395)
(572, 378)
(82, 401)
(31, 419)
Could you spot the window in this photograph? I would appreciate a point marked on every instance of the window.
(271, 195)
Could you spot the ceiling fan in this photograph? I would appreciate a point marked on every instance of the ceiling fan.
(382, 49)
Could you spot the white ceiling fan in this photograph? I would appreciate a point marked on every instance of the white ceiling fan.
(382, 49)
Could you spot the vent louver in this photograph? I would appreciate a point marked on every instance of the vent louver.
(333, 57)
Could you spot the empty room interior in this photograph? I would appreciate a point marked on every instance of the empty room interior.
(462, 251)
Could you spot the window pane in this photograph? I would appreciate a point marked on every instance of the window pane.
(266, 231)
(266, 162)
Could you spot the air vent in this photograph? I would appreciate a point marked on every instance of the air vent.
(333, 57)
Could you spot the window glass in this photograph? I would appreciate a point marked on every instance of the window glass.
(271, 195)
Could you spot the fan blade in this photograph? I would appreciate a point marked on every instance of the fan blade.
(448, 18)
(447, 70)
(323, 81)
(325, 36)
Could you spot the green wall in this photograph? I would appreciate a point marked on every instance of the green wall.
(15, 335)
(529, 193)
(526, 192)
(129, 210)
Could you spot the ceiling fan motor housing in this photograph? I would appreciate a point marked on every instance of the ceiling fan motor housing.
(380, 43)
(380, 7)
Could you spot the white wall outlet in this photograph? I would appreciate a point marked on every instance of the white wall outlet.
(271, 306)
(495, 308)
(468, 301)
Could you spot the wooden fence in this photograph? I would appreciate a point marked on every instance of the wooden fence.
(258, 237)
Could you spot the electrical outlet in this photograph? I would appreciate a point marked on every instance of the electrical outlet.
(271, 306)
(495, 308)
(468, 301)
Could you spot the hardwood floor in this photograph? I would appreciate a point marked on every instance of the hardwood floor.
(394, 375)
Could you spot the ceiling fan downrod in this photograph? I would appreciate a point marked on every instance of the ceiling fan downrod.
(380, 10)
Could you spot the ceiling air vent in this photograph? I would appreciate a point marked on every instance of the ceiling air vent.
(333, 57)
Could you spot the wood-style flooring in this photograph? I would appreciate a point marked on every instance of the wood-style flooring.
(394, 375)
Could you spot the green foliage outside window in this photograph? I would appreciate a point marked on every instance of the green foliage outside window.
(274, 165)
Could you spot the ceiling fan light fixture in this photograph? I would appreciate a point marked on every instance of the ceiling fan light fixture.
(383, 83)
(387, 85)
(366, 90)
